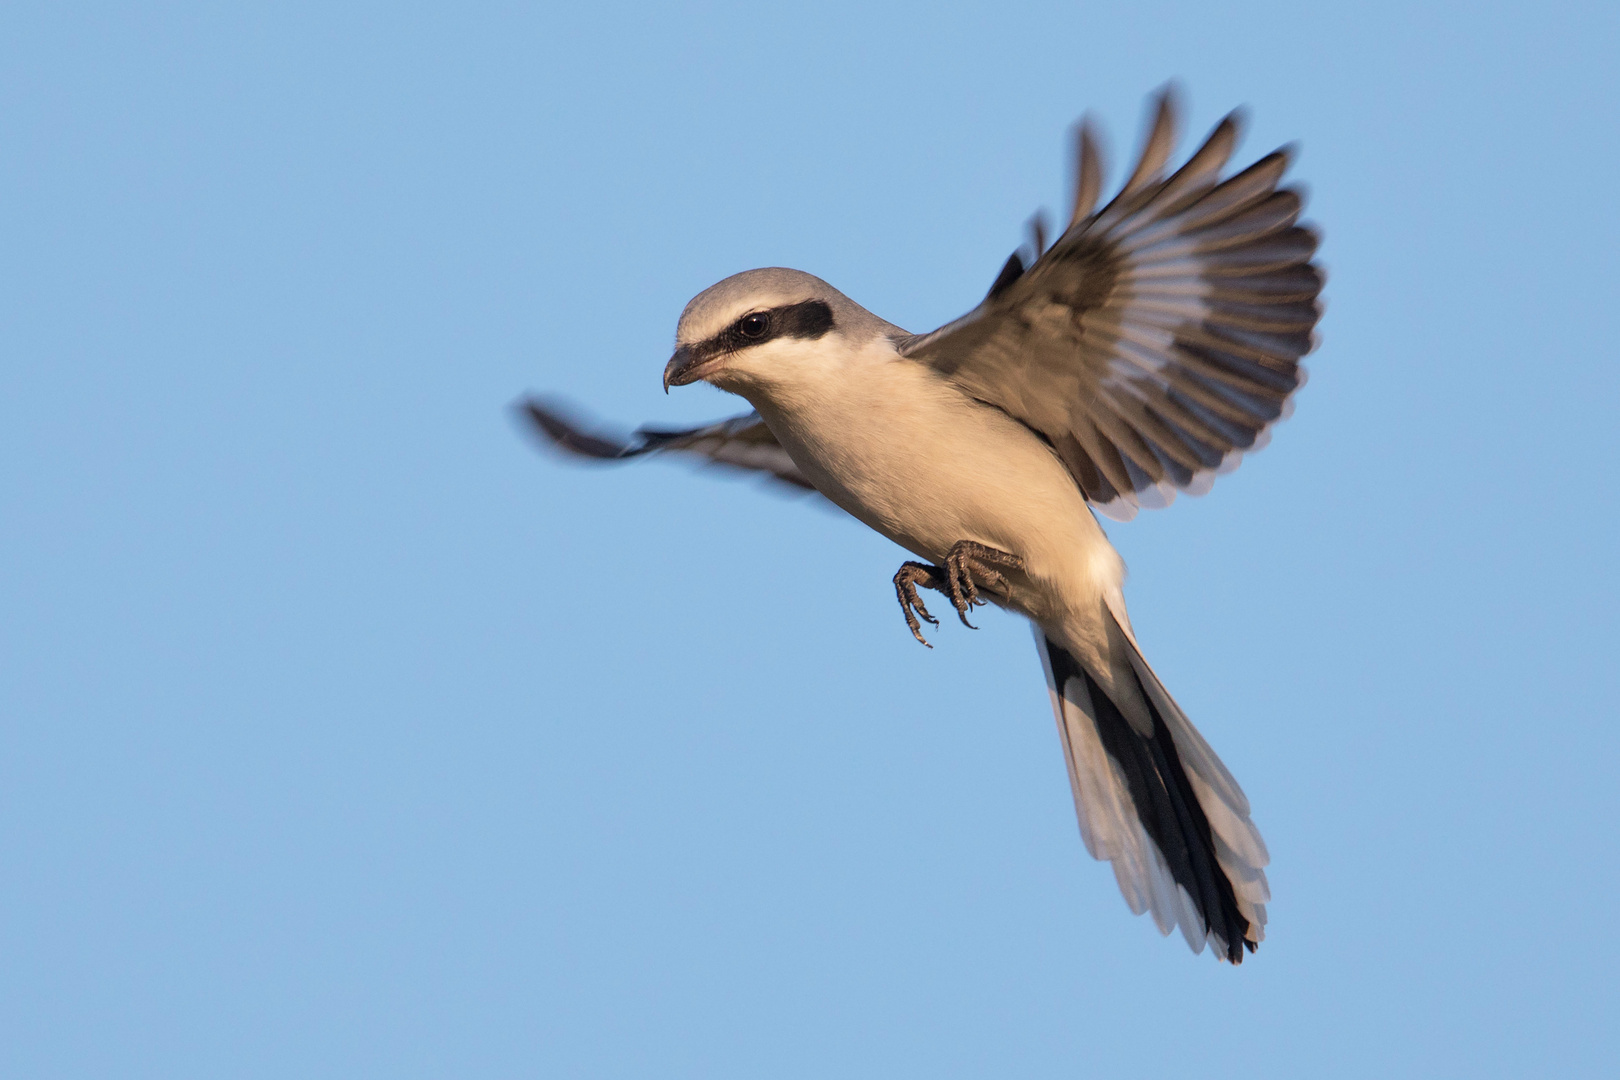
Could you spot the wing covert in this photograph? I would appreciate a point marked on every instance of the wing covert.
(1159, 338)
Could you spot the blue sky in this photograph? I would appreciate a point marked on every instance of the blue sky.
(341, 734)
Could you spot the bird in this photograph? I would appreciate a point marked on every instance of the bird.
(1141, 354)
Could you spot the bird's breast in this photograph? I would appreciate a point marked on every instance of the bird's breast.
(909, 454)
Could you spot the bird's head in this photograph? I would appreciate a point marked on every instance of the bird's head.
(765, 329)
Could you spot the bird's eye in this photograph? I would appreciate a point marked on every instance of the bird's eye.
(753, 326)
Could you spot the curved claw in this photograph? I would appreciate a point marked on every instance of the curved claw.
(964, 594)
(968, 560)
(965, 561)
(906, 580)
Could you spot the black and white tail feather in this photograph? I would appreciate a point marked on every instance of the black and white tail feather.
(1159, 805)
(1152, 345)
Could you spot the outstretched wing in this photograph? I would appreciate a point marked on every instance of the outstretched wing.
(742, 442)
(1159, 338)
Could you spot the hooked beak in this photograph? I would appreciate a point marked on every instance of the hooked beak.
(688, 365)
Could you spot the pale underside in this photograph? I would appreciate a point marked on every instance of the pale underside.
(1151, 346)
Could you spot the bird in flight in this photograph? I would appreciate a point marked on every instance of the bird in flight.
(1141, 354)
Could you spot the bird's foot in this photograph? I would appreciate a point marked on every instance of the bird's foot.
(906, 579)
(965, 561)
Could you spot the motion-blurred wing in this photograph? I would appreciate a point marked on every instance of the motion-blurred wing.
(1159, 338)
(743, 442)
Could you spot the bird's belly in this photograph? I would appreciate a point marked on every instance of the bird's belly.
(930, 468)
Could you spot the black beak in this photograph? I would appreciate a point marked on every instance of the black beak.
(678, 372)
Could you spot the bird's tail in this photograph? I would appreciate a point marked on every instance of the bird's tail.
(1155, 801)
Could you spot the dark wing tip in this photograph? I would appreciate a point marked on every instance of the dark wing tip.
(1224, 138)
(1159, 138)
(1231, 127)
(558, 425)
(1169, 95)
(1011, 271)
(1088, 168)
(1036, 227)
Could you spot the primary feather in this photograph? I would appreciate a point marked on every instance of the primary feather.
(1159, 338)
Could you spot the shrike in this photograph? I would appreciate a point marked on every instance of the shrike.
(1142, 354)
